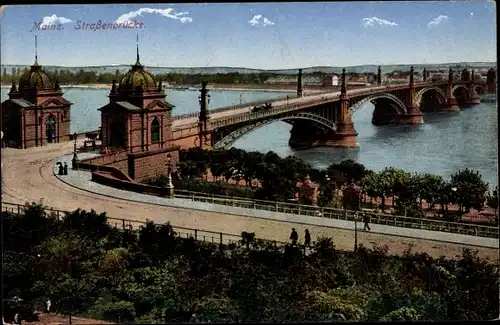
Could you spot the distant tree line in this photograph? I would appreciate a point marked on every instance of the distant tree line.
(66, 77)
(91, 77)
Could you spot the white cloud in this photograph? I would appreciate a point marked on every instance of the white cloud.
(372, 21)
(256, 20)
(436, 21)
(169, 13)
(54, 20)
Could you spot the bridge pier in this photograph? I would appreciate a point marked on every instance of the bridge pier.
(450, 105)
(384, 117)
(303, 137)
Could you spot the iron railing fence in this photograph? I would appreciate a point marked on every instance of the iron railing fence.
(340, 214)
(207, 236)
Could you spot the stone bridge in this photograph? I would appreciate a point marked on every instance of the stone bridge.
(324, 119)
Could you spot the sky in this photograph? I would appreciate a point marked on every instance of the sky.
(251, 35)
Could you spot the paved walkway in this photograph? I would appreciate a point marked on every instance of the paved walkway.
(29, 175)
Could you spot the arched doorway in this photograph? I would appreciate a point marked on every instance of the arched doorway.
(50, 129)
(117, 135)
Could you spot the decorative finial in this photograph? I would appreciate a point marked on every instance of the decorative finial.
(13, 88)
(36, 51)
(137, 41)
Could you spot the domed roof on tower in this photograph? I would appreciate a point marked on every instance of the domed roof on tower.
(35, 77)
(137, 77)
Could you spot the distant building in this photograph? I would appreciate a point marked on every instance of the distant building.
(399, 78)
(307, 191)
(332, 79)
(357, 80)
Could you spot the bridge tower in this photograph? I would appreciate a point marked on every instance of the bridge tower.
(299, 83)
(424, 75)
(414, 115)
(379, 76)
(302, 135)
(204, 116)
(491, 81)
(346, 135)
(451, 101)
(474, 96)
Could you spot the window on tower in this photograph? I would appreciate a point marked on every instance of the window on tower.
(155, 131)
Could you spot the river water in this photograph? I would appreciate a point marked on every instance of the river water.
(445, 143)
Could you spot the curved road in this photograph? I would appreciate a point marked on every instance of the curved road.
(27, 175)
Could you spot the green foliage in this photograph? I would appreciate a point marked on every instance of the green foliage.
(112, 309)
(152, 276)
(470, 189)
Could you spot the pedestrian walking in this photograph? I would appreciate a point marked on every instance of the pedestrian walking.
(65, 169)
(49, 303)
(366, 220)
(307, 238)
(294, 236)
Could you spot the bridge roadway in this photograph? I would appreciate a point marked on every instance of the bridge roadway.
(29, 175)
(179, 124)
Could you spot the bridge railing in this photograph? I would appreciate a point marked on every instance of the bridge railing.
(340, 214)
(234, 107)
(248, 116)
(130, 224)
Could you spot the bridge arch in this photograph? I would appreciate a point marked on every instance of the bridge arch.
(420, 94)
(479, 89)
(316, 120)
(461, 92)
(399, 106)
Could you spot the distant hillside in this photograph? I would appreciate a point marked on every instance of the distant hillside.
(224, 70)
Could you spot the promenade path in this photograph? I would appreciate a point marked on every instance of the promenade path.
(29, 175)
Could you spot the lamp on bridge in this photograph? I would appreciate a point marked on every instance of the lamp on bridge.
(169, 186)
(75, 157)
(200, 99)
(204, 100)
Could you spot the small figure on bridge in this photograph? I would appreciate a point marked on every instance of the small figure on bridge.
(366, 220)
(294, 237)
(65, 169)
(307, 238)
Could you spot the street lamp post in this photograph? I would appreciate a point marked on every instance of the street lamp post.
(75, 156)
(169, 186)
(355, 231)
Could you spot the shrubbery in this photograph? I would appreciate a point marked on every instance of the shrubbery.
(152, 276)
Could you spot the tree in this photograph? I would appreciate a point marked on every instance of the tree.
(351, 170)
(430, 187)
(469, 190)
(492, 200)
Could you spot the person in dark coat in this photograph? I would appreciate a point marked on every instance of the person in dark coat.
(294, 236)
(366, 220)
(307, 238)
(65, 169)
(61, 169)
